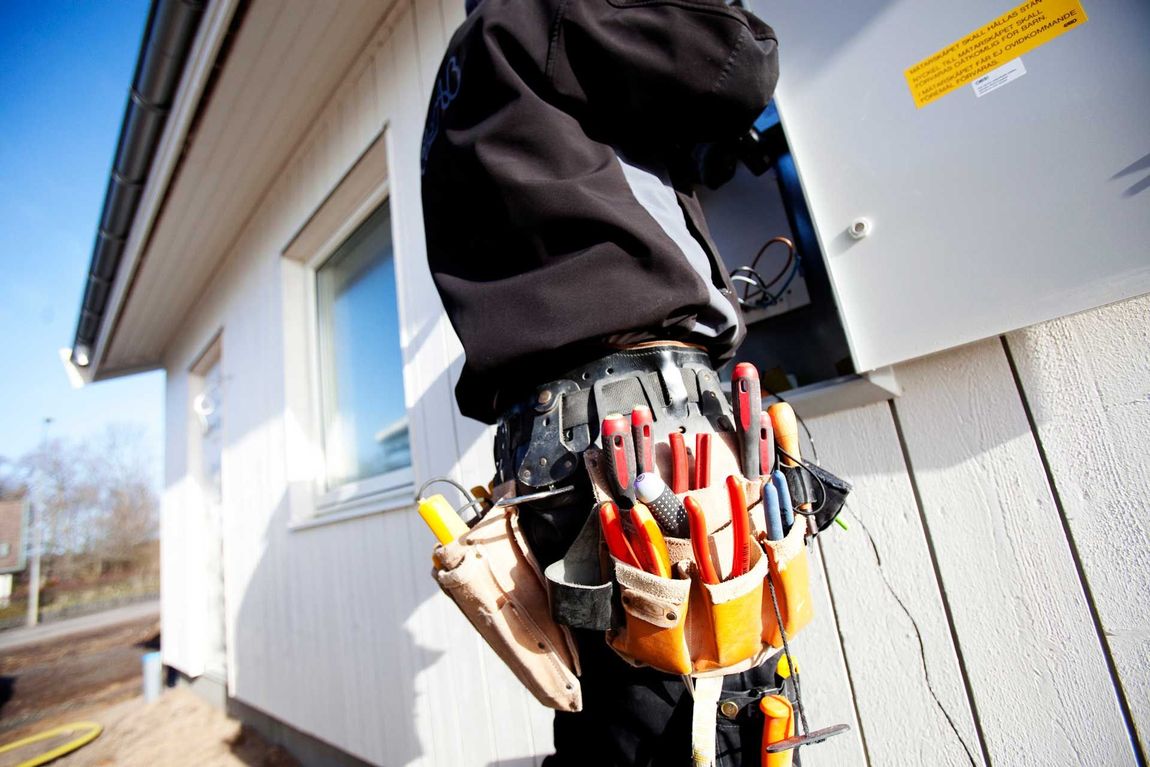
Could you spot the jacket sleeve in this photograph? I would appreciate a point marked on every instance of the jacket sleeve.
(677, 71)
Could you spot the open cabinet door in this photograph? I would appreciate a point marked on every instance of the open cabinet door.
(987, 212)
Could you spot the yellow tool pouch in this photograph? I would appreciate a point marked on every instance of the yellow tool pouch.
(682, 625)
(491, 576)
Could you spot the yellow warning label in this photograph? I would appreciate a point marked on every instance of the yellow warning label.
(1009, 36)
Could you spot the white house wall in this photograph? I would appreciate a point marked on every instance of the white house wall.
(987, 603)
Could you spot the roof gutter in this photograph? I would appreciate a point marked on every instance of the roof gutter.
(168, 38)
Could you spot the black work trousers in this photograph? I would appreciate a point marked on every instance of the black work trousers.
(638, 717)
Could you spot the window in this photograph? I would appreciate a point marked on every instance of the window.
(363, 414)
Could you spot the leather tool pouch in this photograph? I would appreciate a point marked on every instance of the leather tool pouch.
(682, 625)
(491, 576)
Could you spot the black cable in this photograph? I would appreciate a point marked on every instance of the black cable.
(886, 582)
(761, 284)
(917, 633)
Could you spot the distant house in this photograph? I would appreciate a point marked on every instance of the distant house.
(13, 535)
(966, 326)
(13, 542)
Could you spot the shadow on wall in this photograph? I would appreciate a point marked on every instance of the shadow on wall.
(321, 638)
(1142, 164)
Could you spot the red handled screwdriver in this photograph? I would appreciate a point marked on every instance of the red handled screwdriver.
(641, 434)
(620, 454)
(747, 402)
(702, 460)
(679, 477)
(766, 445)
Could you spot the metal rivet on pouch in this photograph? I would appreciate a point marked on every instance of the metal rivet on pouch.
(730, 709)
(671, 616)
(545, 396)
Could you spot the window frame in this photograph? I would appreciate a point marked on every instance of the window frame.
(352, 200)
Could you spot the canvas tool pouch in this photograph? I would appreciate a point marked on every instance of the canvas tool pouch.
(491, 576)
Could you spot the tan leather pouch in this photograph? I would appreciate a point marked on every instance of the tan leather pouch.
(491, 576)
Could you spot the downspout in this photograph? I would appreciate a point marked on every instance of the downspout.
(168, 38)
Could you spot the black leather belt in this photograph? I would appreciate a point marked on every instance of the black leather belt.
(540, 442)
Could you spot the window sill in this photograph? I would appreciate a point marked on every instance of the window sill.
(391, 499)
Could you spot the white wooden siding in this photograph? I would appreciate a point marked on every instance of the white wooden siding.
(987, 604)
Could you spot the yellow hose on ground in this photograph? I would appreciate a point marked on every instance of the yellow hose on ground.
(91, 731)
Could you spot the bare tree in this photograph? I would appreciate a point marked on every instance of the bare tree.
(13, 482)
(126, 507)
(97, 505)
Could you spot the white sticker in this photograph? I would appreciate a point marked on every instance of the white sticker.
(996, 78)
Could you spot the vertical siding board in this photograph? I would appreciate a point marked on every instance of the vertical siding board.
(827, 693)
(1039, 681)
(910, 696)
(1087, 382)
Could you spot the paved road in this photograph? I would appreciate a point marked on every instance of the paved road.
(55, 630)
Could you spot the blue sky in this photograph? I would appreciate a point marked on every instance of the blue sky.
(65, 70)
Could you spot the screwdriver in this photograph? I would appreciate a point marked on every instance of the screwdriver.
(773, 513)
(679, 478)
(665, 506)
(641, 435)
(702, 460)
(783, 493)
(620, 455)
(747, 403)
(766, 445)
(787, 433)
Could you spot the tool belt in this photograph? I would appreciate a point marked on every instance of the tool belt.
(673, 619)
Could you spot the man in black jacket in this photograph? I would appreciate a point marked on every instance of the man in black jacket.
(561, 227)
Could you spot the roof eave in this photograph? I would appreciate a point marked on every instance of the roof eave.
(138, 184)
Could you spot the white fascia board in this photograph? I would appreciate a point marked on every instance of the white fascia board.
(212, 32)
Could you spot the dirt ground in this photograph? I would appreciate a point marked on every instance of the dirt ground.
(96, 677)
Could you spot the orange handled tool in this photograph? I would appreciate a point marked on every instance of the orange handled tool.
(617, 542)
(699, 543)
(650, 546)
(786, 431)
(779, 725)
(740, 527)
(787, 435)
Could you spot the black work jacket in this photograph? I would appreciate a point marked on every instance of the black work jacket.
(553, 127)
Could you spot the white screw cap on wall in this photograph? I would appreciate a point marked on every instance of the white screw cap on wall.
(859, 228)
